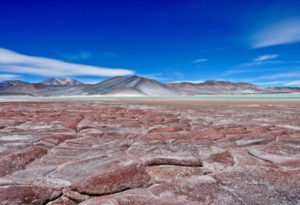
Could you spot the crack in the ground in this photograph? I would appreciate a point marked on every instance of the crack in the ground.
(151, 164)
(50, 171)
(109, 193)
(76, 126)
(83, 128)
(51, 200)
(104, 194)
(259, 158)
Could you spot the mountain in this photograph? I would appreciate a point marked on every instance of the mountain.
(137, 86)
(219, 87)
(27, 89)
(223, 87)
(11, 83)
(285, 89)
(125, 86)
(49, 87)
(61, 81)
(38, 89)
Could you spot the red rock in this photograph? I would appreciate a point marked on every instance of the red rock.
(166, 129)
(19, 160)
(114, 181)
(234, 130)
(169, 173)
(244, 140)
(73, 196)
(204, 132)
(164, 136)
(103, 153)
(256, 187)
(27, 194)
(131, 124)
(222, 157)
(194, 190)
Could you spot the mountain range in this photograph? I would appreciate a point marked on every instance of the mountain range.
(133, 86)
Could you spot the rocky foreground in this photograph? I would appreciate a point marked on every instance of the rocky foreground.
(150, 153)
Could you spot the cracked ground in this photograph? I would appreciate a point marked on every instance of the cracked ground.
(150, 152)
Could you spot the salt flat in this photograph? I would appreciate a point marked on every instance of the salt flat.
(150, 151)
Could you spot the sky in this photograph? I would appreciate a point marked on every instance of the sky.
(255, 41)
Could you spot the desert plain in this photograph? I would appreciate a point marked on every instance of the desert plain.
(127, 152)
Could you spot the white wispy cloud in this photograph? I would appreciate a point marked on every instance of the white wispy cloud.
(13, 62)
(239, 71)
(200, 60)
(291, 83)
(265, 57)
(252, 66)
(279, 76)
(8, 76)
(244, 68)
(283, 32)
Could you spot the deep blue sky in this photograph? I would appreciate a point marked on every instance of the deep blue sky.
(190, 40)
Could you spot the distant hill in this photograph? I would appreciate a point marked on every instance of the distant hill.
(218, 87)
(135, 86)
(11, 83)
(61, 81)
(223, 87)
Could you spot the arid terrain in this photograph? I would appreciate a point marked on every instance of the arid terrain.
(150, 152)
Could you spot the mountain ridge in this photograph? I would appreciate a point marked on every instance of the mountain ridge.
(10, 83)
(136, 86)
(61, 81)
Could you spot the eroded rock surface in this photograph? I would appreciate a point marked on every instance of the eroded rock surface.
(149, 153)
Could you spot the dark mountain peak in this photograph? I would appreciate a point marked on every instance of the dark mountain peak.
(135, 76)
(141, 78)
(115, 79)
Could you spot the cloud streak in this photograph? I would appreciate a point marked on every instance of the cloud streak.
(279, 76)
(200, 60)
(283, 32)
(18, 63)
(265, 57)
(293, 83)
(8, 76)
